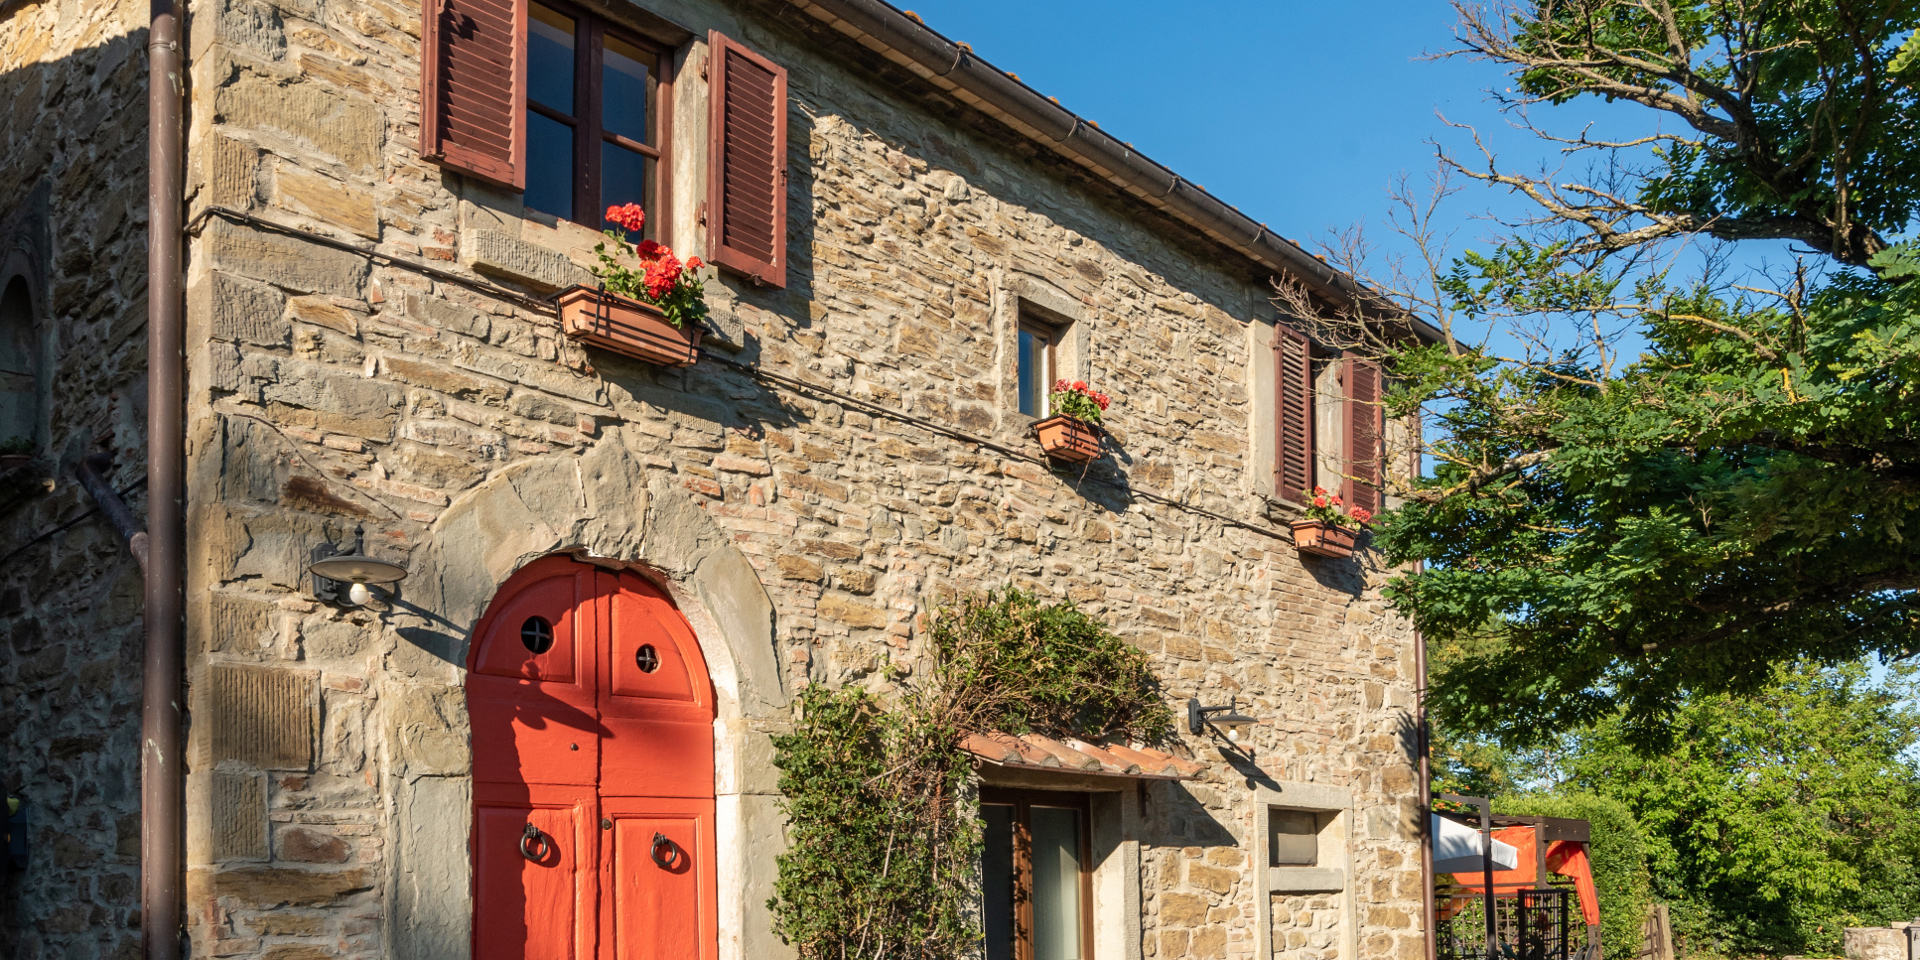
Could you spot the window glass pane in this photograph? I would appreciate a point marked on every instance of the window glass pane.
(626, 90)
(626, 177)
(550, 59)
(1056, 883)
(549, 166)
(1033, 373)
(1294, 838)
(997, 880)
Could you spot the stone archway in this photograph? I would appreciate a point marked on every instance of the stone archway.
(601, 507)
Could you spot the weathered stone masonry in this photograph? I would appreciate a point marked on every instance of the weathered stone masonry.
(72, 310)
(336, 393)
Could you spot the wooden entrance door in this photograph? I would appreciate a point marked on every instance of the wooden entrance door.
(592, 722)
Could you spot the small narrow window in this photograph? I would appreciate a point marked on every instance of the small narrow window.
(1293, 838)
(594, 131)
(1037, 342)
(1035, 879)
(19, 389)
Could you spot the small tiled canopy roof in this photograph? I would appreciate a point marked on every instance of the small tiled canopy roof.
(1038, 753)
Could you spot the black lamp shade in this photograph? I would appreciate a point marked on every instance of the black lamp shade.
(358, 568)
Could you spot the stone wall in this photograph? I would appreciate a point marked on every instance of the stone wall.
(335, 393)
(72, 221)
(1306, 926)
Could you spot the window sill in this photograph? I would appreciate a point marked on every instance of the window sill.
(1306, 879)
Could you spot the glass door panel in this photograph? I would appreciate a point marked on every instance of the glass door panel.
(1056, 883)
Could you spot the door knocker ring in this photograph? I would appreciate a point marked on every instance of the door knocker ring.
(673, 857)
(534, 836)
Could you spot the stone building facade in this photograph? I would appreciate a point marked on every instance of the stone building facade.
(370, 362)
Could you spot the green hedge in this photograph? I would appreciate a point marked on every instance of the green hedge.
(1618, 854)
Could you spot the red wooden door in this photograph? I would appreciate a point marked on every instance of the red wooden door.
(592, 723)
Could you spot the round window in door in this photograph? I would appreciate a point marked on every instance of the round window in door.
(592, 722)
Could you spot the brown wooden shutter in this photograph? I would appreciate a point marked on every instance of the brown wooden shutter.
(1364, 454)
(747, 162)
(472, 87)
(1292, 413)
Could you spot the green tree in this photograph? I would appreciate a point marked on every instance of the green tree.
(1777, 818)
(1616, 532)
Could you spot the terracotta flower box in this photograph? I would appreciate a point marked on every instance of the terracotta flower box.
(1068, 438)
(627, 327)
(1323, 539)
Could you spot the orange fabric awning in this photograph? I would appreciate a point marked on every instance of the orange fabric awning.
(1568, 858)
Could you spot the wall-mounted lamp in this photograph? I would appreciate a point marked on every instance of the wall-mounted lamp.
(1223, 720)
(343, 577)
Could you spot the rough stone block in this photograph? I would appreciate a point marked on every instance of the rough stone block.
(239, 625)
(238, 310)
(244, 25)
(1875, 943)
(851, 613)
(347, 128)
(432, 915)
(427, 728)
(319, 312)
(535, 266)
(449, 316)
(340, 400)
(301, 845)
(328, 639)
(268, 887)
(237, 815)
(335, 203)
(261, 715)
(230, 172)
(284, 261)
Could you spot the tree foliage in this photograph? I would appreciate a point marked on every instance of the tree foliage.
(1778, 818)
(882, 852)
(1618, 526)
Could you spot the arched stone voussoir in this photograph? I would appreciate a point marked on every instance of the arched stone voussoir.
(605, 505)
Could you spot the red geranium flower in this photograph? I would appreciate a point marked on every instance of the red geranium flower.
(1319, 501)
(1318, 490)
(647, 249)
(693, 263)
(629, 216)
(1361, 514)
(662, 274)
(1079, 384)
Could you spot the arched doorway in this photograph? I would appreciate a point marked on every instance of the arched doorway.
(592, 719)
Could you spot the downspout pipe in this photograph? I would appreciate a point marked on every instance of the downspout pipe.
(1423, 733)
(980, 84)
(162, 773)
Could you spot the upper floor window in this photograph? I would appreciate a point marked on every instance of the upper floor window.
(1037, 352)
(595, 133)
(1034, 876)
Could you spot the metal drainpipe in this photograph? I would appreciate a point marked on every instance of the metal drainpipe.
(162, 774)
(1426, 794)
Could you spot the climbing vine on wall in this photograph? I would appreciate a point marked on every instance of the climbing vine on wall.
(883, 843)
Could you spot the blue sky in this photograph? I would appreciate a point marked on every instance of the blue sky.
(1298, 113)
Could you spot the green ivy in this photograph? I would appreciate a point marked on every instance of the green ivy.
(882, 845)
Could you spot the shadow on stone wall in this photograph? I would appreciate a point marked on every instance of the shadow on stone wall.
(72, 165)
